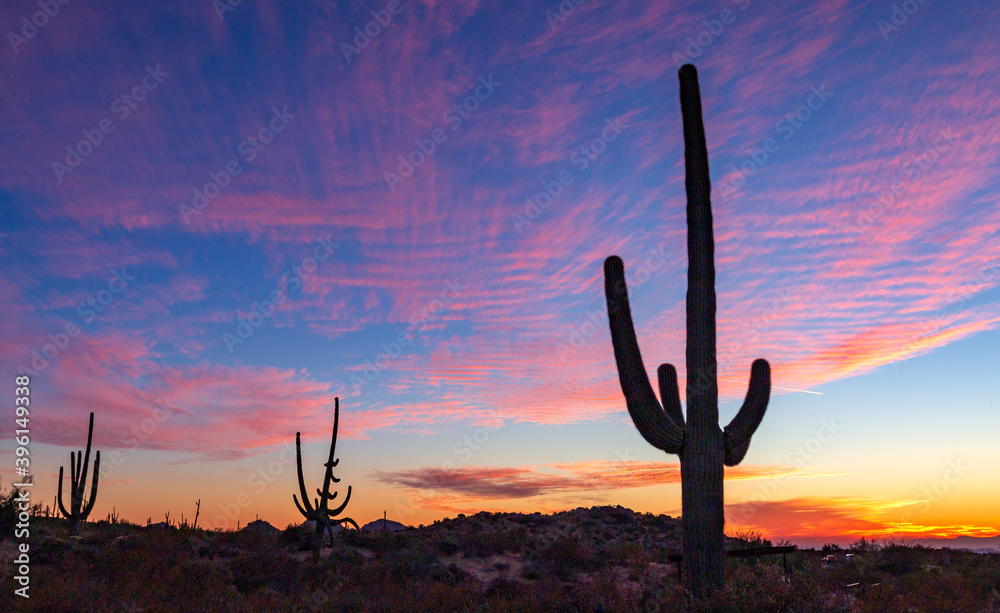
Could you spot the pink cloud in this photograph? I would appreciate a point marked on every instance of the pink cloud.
(499, 483)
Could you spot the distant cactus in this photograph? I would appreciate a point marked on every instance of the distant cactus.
(703, 448)
(319, 511)
(79, 508)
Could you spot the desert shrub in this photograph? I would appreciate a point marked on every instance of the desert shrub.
(344, 557)
(532, 570)
(384, 543)
(413, 563)
(347, 602)
(448, 546)
(864, 546)
(618, 515)
(265, 568)
(8, 512)
(748, 589)
(566, 555)
(749, 539)
(898, 562)
(483, 543)
(300, 538)
(503, 588)
(619, 553)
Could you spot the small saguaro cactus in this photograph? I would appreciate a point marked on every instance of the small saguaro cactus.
(702, 446)
(79, 508)
(319, 511)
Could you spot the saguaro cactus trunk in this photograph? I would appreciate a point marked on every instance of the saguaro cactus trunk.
(79, 508)
(702, 446)
(320, 511)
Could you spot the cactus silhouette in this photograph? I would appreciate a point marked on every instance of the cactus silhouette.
(319, 511)
(79, 509)
(702, 446)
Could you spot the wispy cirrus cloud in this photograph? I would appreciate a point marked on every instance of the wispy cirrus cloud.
(800, 280)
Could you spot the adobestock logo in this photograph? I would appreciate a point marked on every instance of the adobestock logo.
(797, 458)
(479, 92)
(363, 37)
(712, 31)
(581, 157)
(598, 318)
(900, 14)
(391, 351)
(87, 310)
(249, 148)
(788, 125)
(29, 29)
(122, 106)
(291, 280)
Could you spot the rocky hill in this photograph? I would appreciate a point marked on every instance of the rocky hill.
(383, 525)
(584, 560)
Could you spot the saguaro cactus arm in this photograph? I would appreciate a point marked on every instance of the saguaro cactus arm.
(340, 509)
(308, 511)
(667, 376)
(93, 487)
(59, 499)
(662, 427)
(737, 434)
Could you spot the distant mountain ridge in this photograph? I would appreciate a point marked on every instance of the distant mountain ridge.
(979, 544)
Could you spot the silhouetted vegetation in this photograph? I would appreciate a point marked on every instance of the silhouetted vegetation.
(319, 511)
(586, 560)
(79, 506)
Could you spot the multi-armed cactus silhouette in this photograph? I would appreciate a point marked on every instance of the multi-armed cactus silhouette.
(702, 446)
(319, 511)
(79, 508)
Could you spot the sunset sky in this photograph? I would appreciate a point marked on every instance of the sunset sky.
(242, 212)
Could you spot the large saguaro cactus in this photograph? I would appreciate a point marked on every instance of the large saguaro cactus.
(702, 446)
(319, 511)
(79, 509)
